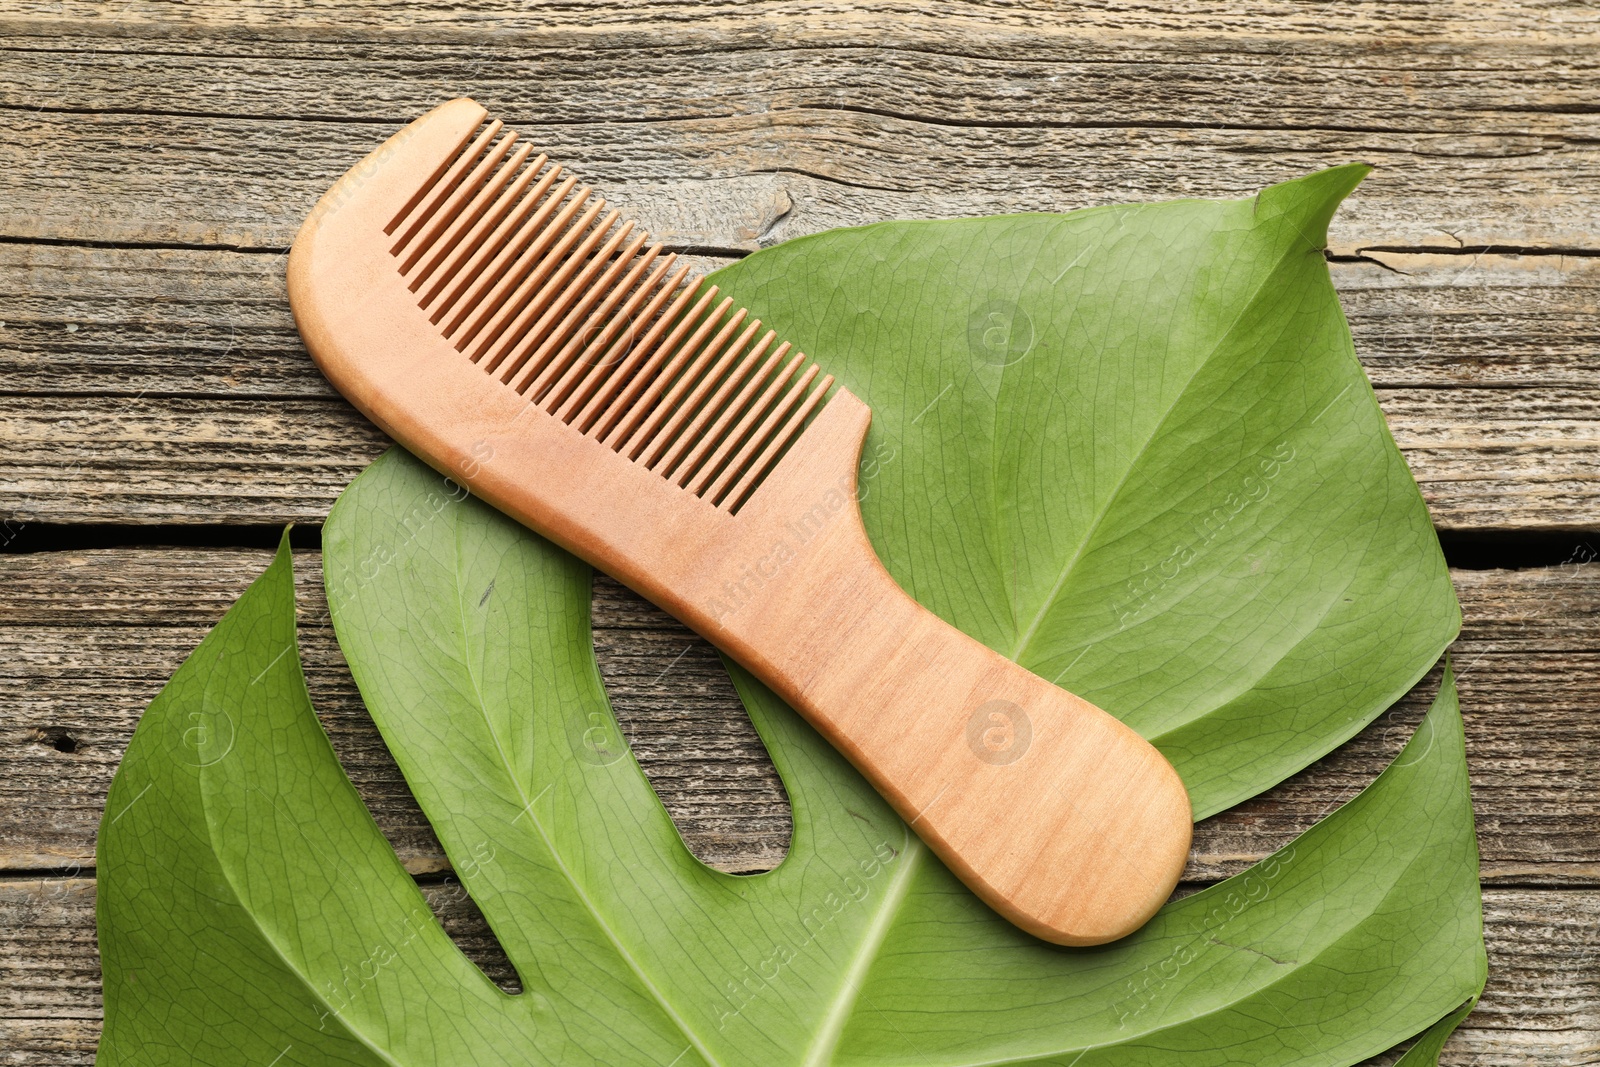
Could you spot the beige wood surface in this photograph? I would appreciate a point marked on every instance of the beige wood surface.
(88, 638)
(156, 158)
(169, 386)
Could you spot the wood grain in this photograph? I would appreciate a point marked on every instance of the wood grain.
(156, 157)
(169, 385)
(88, 638)
(738, 127)
(120, 322)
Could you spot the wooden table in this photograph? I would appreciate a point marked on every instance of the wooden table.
(159, 419)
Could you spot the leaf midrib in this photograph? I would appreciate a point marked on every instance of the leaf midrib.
(1026, 638)
(544, 835)
(839, 1012)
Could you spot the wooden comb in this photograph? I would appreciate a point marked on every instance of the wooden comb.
(508, 327)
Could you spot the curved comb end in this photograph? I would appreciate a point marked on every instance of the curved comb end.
(389, 180)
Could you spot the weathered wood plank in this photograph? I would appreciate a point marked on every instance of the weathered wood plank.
(743, 182)
(735, 128)
(1483, 457)
(141, 385)
(86, 640)
(1080, 71)
(159, 322)
(686, 724)
(1540, 1005)
(179, 322)
(960, 22)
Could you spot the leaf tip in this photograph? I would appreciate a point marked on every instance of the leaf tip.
(1308, 203)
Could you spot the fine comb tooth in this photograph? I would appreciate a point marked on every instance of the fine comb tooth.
(743, 462)
(569, 258)
(746, 438)
(532, 279)
(429, 183)
(482, 331)
(454, 213)
(654, 432)
(590, 418)
(442, 188)
(567, 294)
(588, 311)
(722, 441)
(618, 417)
(695, 409)
(777, 441)
(698, 438)
(477, 290)
(590, 343)
(636, 428)
(464, 262)
(464, 234)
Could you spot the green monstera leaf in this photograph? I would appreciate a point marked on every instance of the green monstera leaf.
(251, 911)
(1132, 449)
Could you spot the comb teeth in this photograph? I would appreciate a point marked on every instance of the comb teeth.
(536, 282)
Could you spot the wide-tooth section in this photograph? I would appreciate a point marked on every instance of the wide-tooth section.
(606, 323)
(534, 280)
(596, 415)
